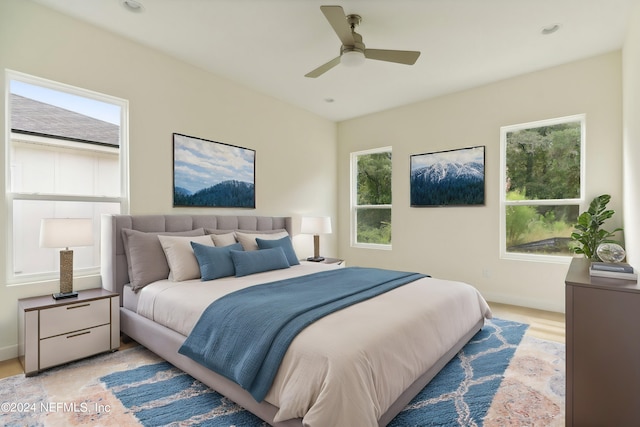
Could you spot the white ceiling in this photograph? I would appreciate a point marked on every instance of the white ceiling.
(269, 45)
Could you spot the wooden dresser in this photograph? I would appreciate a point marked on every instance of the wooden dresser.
(603, 349)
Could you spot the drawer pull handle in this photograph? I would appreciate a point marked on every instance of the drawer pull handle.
(77, 335)
(78, 306)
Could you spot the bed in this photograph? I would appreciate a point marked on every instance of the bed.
(351, 367)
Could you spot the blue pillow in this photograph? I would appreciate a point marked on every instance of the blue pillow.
(215, 262)
(250, 262)
(284, 243)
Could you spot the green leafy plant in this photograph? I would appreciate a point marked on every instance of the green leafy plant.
(588, 234)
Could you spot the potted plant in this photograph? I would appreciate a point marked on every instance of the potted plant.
(588, 234)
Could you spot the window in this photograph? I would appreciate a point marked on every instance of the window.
(371, 198)
(542, 179)
(66, 158)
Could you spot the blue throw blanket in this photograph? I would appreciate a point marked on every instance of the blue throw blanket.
(244, 335)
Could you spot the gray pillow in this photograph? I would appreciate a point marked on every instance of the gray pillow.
(145, 257)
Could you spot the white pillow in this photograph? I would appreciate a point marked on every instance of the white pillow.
(248, 240)
(183, 264)
(224, 239)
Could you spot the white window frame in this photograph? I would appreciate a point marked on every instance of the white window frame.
(354, 201)
(559, 259)
(123, 200)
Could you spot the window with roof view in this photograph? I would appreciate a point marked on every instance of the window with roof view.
(65, 160)
(542, 186)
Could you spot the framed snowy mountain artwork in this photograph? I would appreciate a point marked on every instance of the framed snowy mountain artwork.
(212, 174)
(448, 178)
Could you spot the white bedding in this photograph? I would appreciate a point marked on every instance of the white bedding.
(349, 367)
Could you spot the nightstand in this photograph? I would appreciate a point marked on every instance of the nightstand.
(52, 332)
(333, 261)
(337, 261)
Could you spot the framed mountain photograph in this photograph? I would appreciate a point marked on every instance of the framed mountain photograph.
(212, 174)
(448, 178)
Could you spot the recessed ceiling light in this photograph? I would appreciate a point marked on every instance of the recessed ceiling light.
(550, 29)
(133, 5)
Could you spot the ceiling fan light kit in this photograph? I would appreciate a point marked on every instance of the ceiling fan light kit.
(353, 51)
(352, 58)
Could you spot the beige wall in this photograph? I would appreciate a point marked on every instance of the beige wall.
(631, 145)
(168, 96)
(295, 150)
(461, 243)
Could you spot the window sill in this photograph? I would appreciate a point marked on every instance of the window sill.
(371, 246)
(549, 259)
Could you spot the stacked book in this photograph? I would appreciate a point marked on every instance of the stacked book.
(614, 270)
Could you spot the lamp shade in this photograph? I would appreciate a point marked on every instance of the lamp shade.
(66, 232)
(316, 225)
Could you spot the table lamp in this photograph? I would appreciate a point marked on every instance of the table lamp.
(316, 226)
(65, 233)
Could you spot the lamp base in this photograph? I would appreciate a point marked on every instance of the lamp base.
(63, 295)
(66, 271)
(316, 258)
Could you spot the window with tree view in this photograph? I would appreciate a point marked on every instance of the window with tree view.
(371, 198)
(542, 183)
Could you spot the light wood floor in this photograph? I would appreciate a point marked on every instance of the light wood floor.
(547, 325)
(12, 367)
(543, 324)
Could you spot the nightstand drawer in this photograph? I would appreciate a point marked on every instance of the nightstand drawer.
(73, 317)
(76, 345)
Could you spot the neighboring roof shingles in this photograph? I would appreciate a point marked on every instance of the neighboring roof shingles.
(35, 117)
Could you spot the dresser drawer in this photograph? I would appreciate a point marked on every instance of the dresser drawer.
(73, 317)
(76, 345)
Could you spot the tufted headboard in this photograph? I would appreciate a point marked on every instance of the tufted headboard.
(113, 266)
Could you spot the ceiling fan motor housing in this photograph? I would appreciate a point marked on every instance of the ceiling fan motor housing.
(354, 20)
(358, 46)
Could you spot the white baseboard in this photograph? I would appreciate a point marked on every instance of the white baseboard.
(556, 306)
(9, 352)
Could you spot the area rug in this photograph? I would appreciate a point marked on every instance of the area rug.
(498, 379)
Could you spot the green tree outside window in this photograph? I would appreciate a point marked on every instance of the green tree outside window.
(542, 188)
(372, 207)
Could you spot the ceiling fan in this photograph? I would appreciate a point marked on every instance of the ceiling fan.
(353, 51)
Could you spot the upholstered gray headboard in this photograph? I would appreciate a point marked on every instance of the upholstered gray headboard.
(113, 266)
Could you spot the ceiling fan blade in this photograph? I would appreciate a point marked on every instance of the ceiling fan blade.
(408, 57)
(338, 20)
(323, 68)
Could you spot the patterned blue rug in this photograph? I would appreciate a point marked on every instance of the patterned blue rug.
(460, 395)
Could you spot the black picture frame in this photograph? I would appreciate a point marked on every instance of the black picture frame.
(212, 174)
(448, 178)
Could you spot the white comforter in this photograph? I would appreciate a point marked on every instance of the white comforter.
(349, 367)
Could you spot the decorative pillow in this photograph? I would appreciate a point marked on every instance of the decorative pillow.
(224, 239)
(182, 262)
(248, 239)
(215, 262)
(145, 257)
(217, 231)
(252, 262)
(284, 243)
